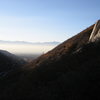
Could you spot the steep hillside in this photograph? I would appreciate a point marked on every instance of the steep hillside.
(65, 48)
(71, 71)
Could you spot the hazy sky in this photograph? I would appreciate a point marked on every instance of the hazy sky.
(45, 20)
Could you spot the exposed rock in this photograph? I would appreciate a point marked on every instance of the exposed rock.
(95, 35)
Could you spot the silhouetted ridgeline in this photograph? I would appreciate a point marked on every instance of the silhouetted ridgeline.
(9, 62)
(71, 71)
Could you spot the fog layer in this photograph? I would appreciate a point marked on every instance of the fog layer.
(26, 49)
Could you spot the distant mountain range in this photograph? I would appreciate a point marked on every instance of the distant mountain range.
(30, 43)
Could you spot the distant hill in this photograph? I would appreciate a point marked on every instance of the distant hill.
(71, 71)
(9, 62)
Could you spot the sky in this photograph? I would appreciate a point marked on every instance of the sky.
(46, 20)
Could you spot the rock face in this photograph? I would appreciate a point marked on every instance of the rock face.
(71, 71)
(95, 35)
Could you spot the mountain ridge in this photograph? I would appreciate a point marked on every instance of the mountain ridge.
(67, 45)
(9, 62)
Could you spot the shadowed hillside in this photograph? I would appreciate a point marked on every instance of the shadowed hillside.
(71, 71)
(9, 62)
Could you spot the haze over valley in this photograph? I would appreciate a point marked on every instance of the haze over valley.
(27, 49)
(35, 48)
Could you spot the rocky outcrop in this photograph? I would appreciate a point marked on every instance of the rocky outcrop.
(95, 35)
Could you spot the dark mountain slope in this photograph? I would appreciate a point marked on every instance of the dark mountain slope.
(9, 62)
(71, 71)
